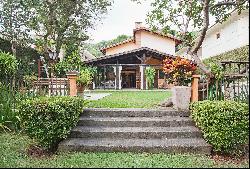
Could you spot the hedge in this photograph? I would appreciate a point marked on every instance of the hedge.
(224, 124)
(49, 120)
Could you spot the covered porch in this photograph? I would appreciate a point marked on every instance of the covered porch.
(127, 70)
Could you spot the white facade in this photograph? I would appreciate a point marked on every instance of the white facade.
(221, 38)
(121, 48)
(165, 45)
(234, 33)
(144, 37)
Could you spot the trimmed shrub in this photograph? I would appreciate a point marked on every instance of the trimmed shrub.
(224, 124)
(49, 120)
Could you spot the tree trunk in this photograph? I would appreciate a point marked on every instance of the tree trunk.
(202, 36)
(13, 48)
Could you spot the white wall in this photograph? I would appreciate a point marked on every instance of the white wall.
(121, 48)
(183, 53)
(234, 33)
(157, 42)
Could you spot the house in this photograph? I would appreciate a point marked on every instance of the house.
(123, 64)
(224, 37)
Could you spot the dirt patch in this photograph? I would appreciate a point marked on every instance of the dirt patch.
(38, 152)
(221, 158)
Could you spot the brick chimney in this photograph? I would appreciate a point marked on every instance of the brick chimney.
(138, 25)
(137, 34)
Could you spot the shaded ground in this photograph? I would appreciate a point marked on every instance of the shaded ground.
(129, 99)
(13, 153)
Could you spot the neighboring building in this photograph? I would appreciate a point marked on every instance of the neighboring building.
(86, 55)
(124, 64)
(224, 37)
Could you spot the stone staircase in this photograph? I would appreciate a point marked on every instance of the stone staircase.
(135, 130)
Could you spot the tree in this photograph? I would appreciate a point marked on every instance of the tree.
(14, 17)
(94, 49)
(57, 23)
(187, 16)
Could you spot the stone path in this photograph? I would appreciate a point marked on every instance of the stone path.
(95, 96)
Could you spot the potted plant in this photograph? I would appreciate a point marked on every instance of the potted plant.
(83, 80)
(179, 72)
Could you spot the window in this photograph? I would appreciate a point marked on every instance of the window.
(161, 74)
(217, 35)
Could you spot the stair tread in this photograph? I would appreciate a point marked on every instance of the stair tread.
(133, 112)
(167, 109)
(136, 129)
(128, 130)
(107, 142)
(166, 118)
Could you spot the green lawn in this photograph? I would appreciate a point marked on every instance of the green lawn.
(13, 146)
(130, 99)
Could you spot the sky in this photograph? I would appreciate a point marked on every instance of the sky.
(120, 20)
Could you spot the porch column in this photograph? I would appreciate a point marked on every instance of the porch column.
(117, 71)
(116, 77)
(94, 82)
(142, 71)
(119, 77)
(104, 76)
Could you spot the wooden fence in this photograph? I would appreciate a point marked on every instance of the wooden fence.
(51, 86)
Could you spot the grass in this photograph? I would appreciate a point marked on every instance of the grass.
(130, 99)
(13, 148)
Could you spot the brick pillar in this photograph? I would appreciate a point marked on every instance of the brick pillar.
(72, 76)
(194, 90)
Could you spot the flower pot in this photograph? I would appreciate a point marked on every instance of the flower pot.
(80, 89)
(181, 97)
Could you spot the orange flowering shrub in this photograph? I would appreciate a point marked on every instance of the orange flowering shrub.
(178, 70)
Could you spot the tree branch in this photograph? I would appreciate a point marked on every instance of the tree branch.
(205, 27)
(201, 39)
(228, 4)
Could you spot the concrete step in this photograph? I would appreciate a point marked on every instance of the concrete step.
(168, 121)
(135, 132)
(133, 112)
(197, 145)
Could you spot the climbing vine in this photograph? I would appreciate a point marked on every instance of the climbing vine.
(150, 75)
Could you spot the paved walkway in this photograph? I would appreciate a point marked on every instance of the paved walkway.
(128, 90)
(95, 96)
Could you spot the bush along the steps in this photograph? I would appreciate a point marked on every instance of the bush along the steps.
(225, 124)
(49, 120)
